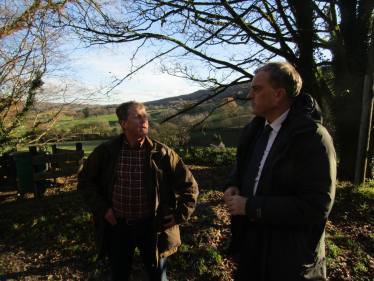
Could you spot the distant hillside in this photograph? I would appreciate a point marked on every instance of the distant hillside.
(201, 94)
(196, 96)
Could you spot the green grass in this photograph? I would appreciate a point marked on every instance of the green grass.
(88, 146)
(349, 234)
(205, 195)
(47, 231)
(68, 121)
(205, 261)
(230, 136)
(366, 191)
(112, 117)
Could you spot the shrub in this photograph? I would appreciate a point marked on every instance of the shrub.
(210, 156)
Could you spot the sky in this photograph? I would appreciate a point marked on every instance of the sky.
(96, 67)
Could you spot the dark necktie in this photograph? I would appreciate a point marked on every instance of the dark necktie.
(255, 161)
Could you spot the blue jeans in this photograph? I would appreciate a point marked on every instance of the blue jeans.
(124, 238)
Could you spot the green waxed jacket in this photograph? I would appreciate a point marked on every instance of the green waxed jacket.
(284, 226)
(165, 174)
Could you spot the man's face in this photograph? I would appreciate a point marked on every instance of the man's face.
(136, 125)
(263, 96)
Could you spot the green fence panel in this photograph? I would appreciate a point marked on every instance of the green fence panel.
(25, 173)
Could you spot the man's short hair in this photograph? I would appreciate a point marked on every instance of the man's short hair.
(283, 75)
(122, 110)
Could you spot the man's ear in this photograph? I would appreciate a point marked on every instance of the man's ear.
(123, 124)
(281, 94)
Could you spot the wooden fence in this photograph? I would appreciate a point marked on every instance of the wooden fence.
(59, 156)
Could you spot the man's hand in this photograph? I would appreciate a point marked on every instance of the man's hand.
(236, 204)
(109, 216)
(234, 201)
(231, 191)
(171, 223)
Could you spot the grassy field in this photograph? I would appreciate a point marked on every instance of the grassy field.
(88, 146)
(229, 138)
(69, 121)
(230, 135)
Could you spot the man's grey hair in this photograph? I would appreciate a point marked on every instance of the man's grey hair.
(122, 110)
(283, 75)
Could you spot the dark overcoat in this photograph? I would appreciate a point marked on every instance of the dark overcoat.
(284, 226)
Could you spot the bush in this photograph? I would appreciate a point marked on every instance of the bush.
(210, 156)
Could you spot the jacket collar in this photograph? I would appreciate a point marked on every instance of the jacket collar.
(115, 144)
(155, 149)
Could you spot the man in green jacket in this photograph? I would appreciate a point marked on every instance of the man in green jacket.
(129, 185)
(283, 186)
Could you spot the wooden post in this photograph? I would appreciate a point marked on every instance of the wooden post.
(54, 165)
(37, 191)
(78, 147)
(365, 128)
(366, 118)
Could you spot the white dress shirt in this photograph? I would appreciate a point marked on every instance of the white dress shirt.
(276, 125)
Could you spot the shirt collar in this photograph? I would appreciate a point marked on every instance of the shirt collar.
(277, 124)
(141, 142)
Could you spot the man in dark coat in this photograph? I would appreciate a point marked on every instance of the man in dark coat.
(280, 204)
(129, 185)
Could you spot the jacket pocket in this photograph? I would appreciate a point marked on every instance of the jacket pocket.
(163, 210)
(169, 241)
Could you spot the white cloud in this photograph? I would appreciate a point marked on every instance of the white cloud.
(99, 67)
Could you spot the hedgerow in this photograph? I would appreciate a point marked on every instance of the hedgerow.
(208, 156)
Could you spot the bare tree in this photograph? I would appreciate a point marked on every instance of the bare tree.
(167, 113)
(32, 64)
(23, 64)
(20, 15)
(218, 44)
(78, 131)
(167, 134)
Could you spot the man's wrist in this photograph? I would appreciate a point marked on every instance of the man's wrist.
(254, 208)
(232, 187)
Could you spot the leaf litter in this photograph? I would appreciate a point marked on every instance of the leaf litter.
(52, 239)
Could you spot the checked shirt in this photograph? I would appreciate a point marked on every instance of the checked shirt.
(129, 198)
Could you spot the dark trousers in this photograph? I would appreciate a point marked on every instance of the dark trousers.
(124, 238)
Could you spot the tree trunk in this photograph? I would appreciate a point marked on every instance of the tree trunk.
(350, 69)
